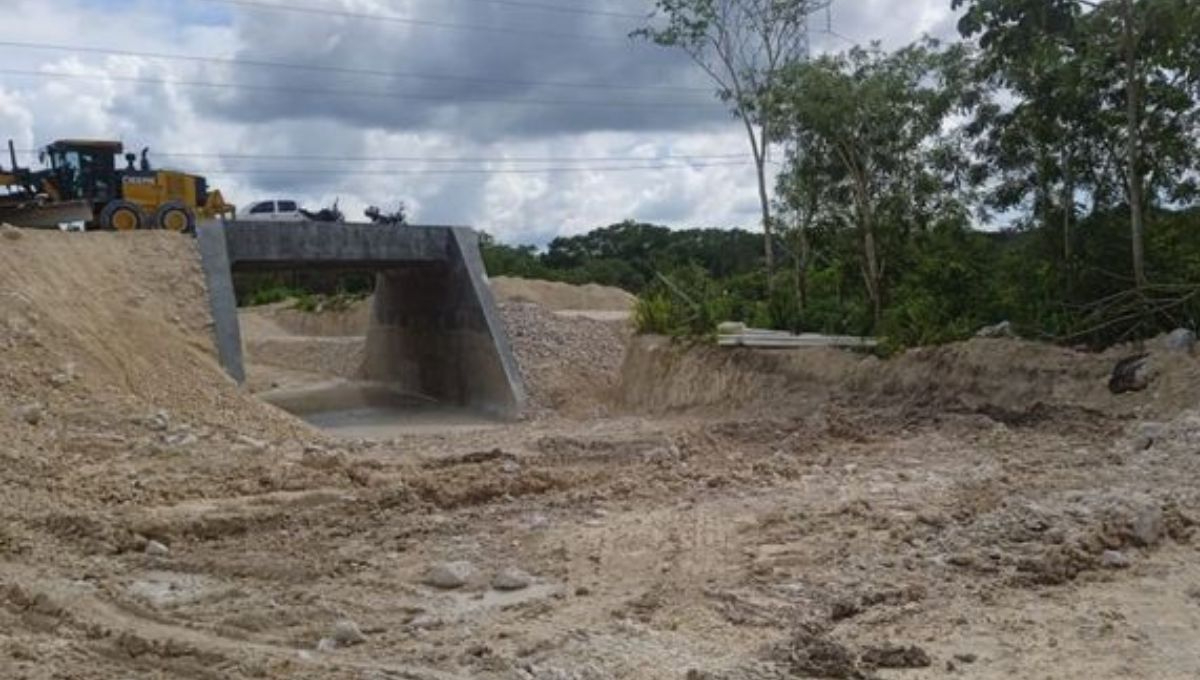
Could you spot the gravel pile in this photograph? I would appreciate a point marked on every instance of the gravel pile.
(571, 365)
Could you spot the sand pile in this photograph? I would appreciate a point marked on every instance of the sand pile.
(557, 296)
(102, 318)
(108, 363)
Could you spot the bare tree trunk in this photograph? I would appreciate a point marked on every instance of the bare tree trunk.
(1068, 206)
(1133, 151)
(802, 268)
(768, 231)
(758, 144)
(874, 280)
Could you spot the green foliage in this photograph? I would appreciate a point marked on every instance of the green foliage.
(270, 294)
(266, 288)
(627, 255)
(317, 303)
(870, 158)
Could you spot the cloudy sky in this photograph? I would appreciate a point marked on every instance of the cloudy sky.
(525, 118)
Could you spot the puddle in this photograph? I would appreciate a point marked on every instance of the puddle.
(366, 410)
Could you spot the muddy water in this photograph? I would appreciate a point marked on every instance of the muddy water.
(365, 410)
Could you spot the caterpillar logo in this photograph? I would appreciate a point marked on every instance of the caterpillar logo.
(137, 180)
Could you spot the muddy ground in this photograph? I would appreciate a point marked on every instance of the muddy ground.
(986, 510)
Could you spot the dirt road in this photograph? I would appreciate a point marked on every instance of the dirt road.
(723, 516)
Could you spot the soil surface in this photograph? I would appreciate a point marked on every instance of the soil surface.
(983, 510)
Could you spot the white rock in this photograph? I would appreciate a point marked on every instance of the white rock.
(180, 439)
(1114, 559)
(1147, 526)
(1001, 330)
(1147, 434)
(327, 645)
(1180, 340)
(256, 445)
(449, 575)
(64, 377)
(426, 621)
(347, 634)
(511, 579)
(156, 549)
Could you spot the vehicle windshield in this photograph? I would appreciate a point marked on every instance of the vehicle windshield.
(84, 174)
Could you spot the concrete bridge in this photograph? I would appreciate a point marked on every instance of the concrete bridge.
(434, 331)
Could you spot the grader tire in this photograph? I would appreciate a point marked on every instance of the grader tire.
(122, 216)
(175, 216)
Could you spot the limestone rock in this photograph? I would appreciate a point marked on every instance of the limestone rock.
(1000, 330)
(511, 579)
(156, 549)
(1180, 340)
(1147, 527)
(449, 575)
(1114, 559)
(346, 633)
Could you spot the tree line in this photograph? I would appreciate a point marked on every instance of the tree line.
(1043, 168)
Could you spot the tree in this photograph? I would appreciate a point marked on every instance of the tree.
(867, 130)
(1035, 151)
(742, 45)
(1138, 59)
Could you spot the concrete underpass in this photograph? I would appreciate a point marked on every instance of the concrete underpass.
(434, 333)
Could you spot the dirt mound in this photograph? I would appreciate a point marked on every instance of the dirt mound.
(562, 296)
(570, 365)
(99, 319)
(660, 376)
(1000, 375)
(288, 347)
(108, 366)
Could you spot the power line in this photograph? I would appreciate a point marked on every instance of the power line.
(433, 159)
(355, 93)
(427, 23)
(467, 171)
(230, 61)
(419, 159)
(560, 9)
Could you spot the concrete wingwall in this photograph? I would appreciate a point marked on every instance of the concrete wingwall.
(435, 330)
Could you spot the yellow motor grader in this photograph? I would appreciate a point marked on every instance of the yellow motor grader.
(83, 183)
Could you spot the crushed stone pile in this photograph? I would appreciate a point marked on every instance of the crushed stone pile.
(570, 365)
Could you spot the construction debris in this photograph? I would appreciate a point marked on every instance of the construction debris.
(738, 335)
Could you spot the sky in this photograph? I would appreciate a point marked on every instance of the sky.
(528, 119)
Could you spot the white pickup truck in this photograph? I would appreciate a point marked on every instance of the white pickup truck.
(275, 211)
